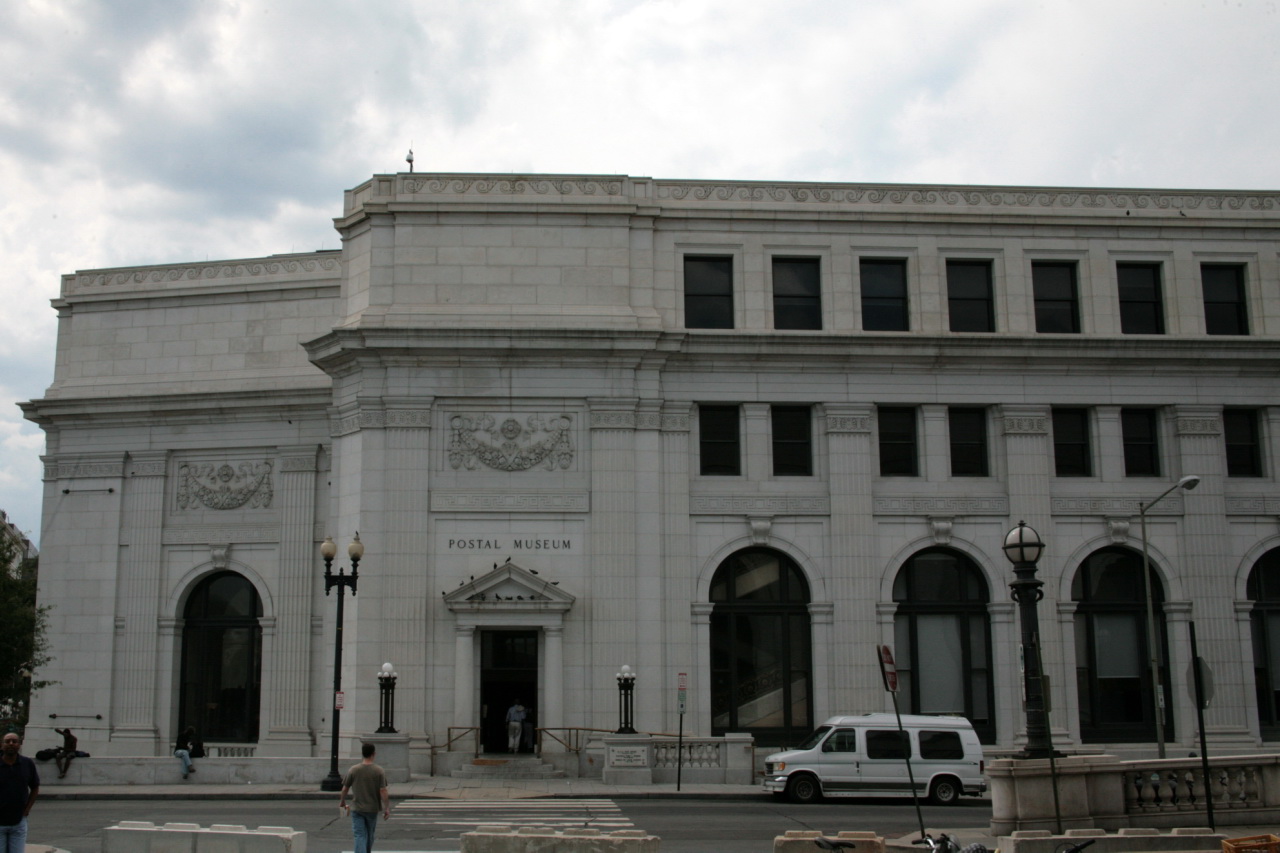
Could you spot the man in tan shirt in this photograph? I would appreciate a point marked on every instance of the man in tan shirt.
(367, 784)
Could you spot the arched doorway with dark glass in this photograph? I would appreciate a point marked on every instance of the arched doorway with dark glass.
(1263, 589)
(942, 638)
(761, 648)
(1113, 670)
(221, 673)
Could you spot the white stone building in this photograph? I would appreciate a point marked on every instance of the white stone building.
(742, 431)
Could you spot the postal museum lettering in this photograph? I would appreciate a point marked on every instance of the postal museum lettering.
(505, 543)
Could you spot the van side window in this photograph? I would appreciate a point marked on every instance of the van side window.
(887, 743)
(941, 745)
(844, 740)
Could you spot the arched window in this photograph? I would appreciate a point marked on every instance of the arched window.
(942, 638)
(1264, 592)
(222, 659)
(1113, 673)
(761, 648)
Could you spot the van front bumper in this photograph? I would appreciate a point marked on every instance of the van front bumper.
(775, 784)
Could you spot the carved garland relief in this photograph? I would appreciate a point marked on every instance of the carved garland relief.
(543, 440)
(223, 486)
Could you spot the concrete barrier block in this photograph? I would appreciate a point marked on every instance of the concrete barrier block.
(145, 837)
(801, 841)
(1127, 840)
(539, 839)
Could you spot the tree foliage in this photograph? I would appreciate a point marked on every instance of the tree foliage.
(24, 646)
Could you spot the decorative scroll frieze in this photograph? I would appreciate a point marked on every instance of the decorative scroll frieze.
(239, 534)
(1026, 425)
(223, 486)
(147, 469)
(298, 464)
(510, 186)
(760, 505)
(613, 420)
(1199, 425)
(848, 423)
(206, 272)
(543, 440)
(381, 419)
(961, 197)
(1111, 507)
(78, 470)
(444, 501)
(648, 420)
(941, 506)
(1253, 505)
(675, 423)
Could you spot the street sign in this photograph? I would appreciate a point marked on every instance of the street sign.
(887, 668)
(339, 699)
(682, 690)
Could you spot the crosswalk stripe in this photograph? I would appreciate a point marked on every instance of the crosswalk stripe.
(459, 816)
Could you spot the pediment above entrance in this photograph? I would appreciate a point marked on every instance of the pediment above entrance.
(509, 588)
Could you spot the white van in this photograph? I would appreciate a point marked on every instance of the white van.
(862, 756)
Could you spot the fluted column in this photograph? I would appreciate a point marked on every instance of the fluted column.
(553, 678)
(464, 676)
(138, 597)
(679, 579)
(650, 705)
(287, 691)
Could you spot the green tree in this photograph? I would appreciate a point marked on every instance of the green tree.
(23, 645)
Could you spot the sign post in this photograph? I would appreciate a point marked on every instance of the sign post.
(682, 690)
(889, 672)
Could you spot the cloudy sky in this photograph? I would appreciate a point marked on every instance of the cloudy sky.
(153, 131)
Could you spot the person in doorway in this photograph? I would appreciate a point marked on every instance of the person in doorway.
(19, 784)
(182, 749)
(515, 726)
(527, 727)
(66, 752)
(367, 783)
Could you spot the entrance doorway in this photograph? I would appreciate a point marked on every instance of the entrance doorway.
(508, 672)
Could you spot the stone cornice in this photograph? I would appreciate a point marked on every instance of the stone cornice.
(324, 265)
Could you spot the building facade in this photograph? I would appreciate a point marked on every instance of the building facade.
(744, 432)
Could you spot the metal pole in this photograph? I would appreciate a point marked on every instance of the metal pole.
(1152, 647)
(1027, 592)
(1198, 681)
(333, 782)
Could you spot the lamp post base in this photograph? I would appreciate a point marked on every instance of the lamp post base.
(332, 782)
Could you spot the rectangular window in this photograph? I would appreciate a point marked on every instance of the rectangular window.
(708, 292)
(797, 293)
(1141, 446)
(1224, 308)
(968, 428)
(1244, 447)
(888, 743)
(1141, 305)
(719, 442)
(898, 456)
(792, 441)
(941, 746)
(969, 298)
(1072, 456)
(1057, 303)
(884, 295)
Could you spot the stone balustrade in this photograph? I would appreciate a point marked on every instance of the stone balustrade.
(540, 839)
(802, 841)
(136, 836)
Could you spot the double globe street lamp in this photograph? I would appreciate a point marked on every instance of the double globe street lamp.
(328, 550)
(1023, 547)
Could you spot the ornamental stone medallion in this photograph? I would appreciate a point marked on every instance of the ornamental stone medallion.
(542, 440)
(223, 486)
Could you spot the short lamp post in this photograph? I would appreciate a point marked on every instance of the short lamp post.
(328, 550)
(626, 701)
(1188, 483)
(1023, 547)
(387, 705)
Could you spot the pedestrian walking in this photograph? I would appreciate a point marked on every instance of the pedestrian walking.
(367, 784)
(19, 784)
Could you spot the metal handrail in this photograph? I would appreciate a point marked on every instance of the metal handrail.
(461, 733)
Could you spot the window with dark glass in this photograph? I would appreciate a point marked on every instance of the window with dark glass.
(1224, 306)
(708, 292)
(884, 295)
(1263, 589)
(1057, 302)
(888, 743)
(792, 441)
(898, 454)
(1244, 448)
(968, 433)
(1141, 304)
(1072, 454)
(941, 745)
(221, 674)
(942, 638)
(719, 441)
(797, 293)
(970, 303)
(1138, 431)
(1113, 674)
(761, 648)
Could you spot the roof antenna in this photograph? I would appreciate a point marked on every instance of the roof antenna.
(409, 159)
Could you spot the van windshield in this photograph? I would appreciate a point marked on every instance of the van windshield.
(816, 738)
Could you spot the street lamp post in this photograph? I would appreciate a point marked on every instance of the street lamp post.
(1188, 483)
(1023, 547)
(387, 693)
(328, 550)
(626, 707)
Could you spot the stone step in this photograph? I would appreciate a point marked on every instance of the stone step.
(516, 767)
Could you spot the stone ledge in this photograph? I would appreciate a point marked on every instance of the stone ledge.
(802, 841)
(1130, 840)
(502, 838)
(140, 836)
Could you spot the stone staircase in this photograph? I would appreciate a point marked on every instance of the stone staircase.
(507, 767)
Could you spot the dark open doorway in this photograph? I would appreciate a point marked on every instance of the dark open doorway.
(508, 672)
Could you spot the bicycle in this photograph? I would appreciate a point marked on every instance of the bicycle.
(946, 844)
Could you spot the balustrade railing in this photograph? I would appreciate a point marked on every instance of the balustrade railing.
(693, 753)
(1164, 787)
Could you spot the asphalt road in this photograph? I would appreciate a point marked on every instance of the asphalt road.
(745, 825)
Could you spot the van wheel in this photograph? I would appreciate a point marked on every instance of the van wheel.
(945, 791)
(804, 789)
